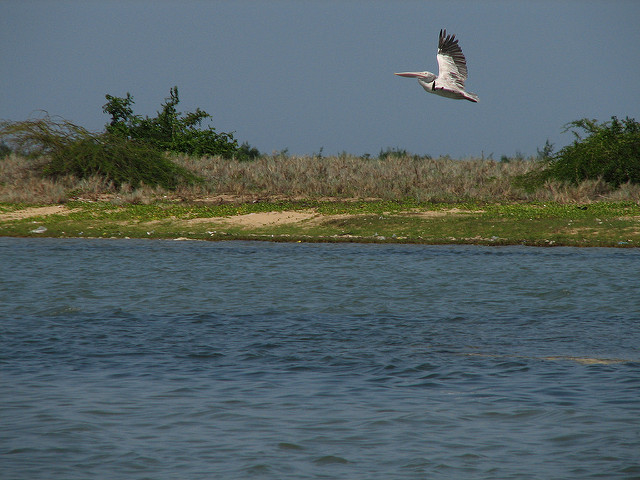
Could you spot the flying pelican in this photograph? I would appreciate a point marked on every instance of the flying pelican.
(452, 71)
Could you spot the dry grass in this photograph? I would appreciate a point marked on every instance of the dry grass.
(21, 181)
(396, 177)
(355, 177)
(344, 176)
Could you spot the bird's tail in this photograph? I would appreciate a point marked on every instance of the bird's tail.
(472, 97)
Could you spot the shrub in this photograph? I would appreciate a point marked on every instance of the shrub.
(72, 150)
(393, 153)
(610, 151)
(547, 151)
(247, 152)
(4, 150)
(172, 131)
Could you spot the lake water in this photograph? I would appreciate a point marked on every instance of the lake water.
(145, 359)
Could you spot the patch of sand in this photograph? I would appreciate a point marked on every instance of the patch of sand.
(249, 221)
(35, 212)
(269, 219)
(258, 220)
(443, 213)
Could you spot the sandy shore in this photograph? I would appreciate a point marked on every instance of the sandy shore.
(249, 221)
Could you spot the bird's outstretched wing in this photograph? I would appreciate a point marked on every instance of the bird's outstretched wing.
(451, 62)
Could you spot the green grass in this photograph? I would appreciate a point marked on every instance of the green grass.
(11, 207)
(597, 224)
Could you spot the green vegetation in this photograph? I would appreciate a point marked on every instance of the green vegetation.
(171, 131)
(130, 153)
(140, 159)
(611, 224)
(610, 152)
(4, 150)
(70, 150)
(391, 153)
(164, 177)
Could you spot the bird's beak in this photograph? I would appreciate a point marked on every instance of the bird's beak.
(411, 74)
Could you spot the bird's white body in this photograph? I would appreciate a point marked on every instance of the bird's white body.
(452, 71)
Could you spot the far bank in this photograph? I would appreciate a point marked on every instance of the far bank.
(598, 224)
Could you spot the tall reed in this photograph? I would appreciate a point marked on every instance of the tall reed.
(395, 177)
(294, 177)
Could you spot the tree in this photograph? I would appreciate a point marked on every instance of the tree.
(73, 150)
(170, 130)
(611, 151)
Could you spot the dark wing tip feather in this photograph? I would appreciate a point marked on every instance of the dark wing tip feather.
(448, 44)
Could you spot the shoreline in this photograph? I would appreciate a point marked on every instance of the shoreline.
(598, 224)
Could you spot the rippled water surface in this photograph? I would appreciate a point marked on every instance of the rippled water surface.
(163, 360)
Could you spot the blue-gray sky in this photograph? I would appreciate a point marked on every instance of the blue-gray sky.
(304, 75)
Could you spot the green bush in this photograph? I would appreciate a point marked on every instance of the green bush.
(610, 151)
(72, 150)
(4, 150)
(172, 131)
(247, 152)
(393, 153)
